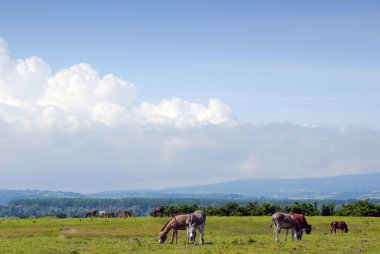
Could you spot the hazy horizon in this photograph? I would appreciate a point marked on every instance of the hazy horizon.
(149, 95)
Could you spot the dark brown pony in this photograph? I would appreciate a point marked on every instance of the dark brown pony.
(339, 225)
(91, 213)
(159, 210)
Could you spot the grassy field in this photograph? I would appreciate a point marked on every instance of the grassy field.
(222, 235)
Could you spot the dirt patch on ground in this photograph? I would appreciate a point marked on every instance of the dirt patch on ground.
(69, 230)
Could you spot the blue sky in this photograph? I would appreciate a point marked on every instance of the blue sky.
(304, 63)
(270, 60)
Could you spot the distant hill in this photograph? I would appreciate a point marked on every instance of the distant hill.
(9, 195)
(362, 186)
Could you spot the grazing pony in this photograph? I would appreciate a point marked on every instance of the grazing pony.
(125, 214)
(286, 221)
(158, 210)
(304, 226)
(196, 220)
(339, 225)
(91, 213)
(176, 223)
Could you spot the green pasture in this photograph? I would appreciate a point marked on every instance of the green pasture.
(222, 235)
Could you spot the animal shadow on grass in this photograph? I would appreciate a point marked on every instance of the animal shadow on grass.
(205, 243)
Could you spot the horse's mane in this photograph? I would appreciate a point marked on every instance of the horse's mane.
(167, 223)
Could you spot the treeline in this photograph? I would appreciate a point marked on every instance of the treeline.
(76, 207)
(359, 208)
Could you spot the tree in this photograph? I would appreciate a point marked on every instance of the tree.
(360, 208)
(267, 209)
(328, 209)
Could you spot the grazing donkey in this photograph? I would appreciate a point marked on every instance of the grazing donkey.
(286, 221)
(176, 223)
(339, 225)
(196, 220)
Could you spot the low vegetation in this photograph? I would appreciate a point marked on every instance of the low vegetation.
(235, 234)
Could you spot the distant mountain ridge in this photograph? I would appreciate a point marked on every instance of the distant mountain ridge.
(8, 195)
(361, 186)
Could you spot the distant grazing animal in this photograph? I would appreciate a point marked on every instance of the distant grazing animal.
(110, 215)
(91, 213)
(286, 221)
(195, 220)
(159, 210)
(304, 226)
(176, 223)
(172, 213)
(125, 214)
(104, 214)
(339, 225)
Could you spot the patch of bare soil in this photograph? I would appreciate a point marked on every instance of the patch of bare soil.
(69, 230)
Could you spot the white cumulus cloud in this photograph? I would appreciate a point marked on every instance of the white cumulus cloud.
(75, 97)
(182, 113)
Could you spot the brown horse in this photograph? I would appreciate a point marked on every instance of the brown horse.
(176, 223)
(159, 210)
(304, 226)
(339, 225)
(91, 213)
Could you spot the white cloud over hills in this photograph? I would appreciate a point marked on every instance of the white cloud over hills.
(34, 97)
(76, 130)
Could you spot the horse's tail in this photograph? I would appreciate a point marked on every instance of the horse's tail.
(332, 223)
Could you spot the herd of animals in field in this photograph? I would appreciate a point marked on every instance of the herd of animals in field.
(107, 214)
(297, 223)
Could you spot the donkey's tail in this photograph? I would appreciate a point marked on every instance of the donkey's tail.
(271, 223)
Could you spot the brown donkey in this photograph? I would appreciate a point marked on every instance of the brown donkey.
(176, 223)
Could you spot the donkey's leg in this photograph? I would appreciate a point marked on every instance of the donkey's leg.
(187, 235)
(286, 234)
(201, 229)
(276, 231)
(174, 234)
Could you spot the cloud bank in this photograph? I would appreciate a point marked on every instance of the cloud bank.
(80, 131)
